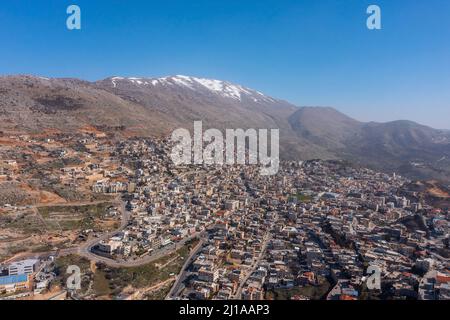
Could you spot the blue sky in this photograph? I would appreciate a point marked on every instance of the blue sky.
(309, 52)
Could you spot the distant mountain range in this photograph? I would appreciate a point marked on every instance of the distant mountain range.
(156, 106)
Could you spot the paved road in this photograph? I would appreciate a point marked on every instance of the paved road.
(237, 295)
(85, 250)
(135, 263)
(178, 285)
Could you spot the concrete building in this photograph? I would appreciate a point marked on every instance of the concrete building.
(27, 267)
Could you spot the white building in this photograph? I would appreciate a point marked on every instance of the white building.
(28, 266)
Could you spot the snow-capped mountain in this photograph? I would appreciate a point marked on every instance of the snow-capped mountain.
(156, 106)
(220, 104)
(222, 88)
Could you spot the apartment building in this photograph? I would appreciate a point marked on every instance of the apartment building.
(26, 267)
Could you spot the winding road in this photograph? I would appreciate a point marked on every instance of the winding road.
(181, 277)
(85, 250)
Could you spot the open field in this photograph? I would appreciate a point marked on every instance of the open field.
(150, 281)
(66, 218)
(309, 291)
(44, 228)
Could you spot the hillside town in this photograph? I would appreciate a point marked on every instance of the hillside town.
(309, 232)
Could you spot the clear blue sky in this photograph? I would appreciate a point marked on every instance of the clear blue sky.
(309, 52)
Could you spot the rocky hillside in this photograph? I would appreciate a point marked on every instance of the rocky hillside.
(156, 106)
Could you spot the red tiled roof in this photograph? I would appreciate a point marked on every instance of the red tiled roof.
(442, 278)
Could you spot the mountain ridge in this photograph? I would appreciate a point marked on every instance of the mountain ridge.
(156, 106)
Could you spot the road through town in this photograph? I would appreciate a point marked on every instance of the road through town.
(85, 250)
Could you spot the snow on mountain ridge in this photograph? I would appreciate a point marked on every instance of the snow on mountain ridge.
(222, 88)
